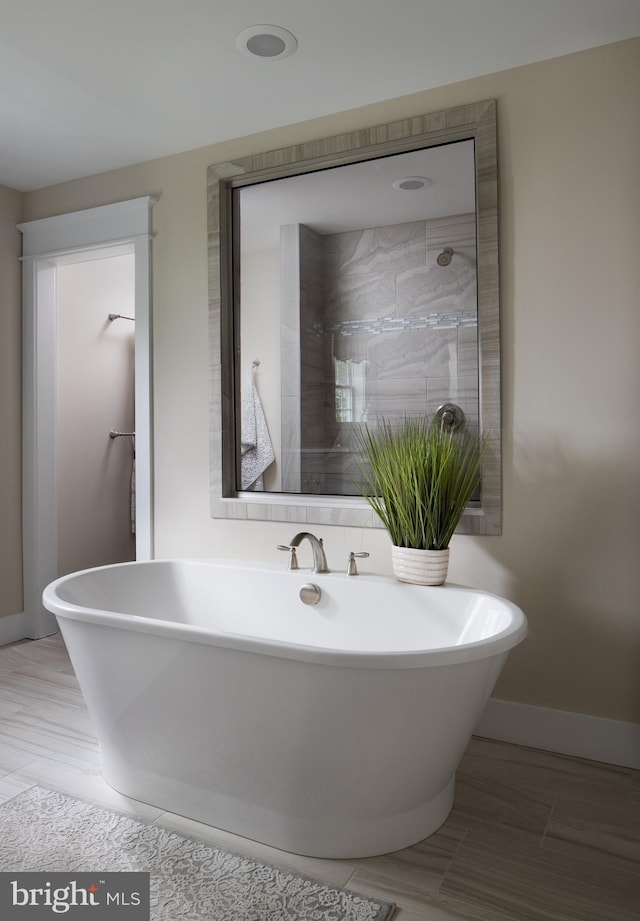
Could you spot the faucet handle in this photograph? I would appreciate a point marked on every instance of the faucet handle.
(293, 557)
(352, 569)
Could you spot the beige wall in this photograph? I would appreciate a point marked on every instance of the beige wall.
(10, 404)
(570, 271)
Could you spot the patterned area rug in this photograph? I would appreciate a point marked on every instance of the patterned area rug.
(190, 879)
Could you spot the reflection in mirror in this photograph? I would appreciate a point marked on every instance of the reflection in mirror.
(367, 273)
(350, 279)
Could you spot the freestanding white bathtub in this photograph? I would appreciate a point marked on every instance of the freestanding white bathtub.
(331, 730)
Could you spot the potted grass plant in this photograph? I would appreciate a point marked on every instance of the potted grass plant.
(418, 476)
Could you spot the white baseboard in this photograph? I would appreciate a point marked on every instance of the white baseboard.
(13, 627)
(609, 741)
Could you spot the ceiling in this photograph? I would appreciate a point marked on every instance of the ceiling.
(88, 85)
(360, 195)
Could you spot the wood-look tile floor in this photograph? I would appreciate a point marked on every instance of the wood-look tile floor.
(532, 835)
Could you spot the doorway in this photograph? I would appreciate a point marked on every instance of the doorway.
(109, 231)
(95, 411)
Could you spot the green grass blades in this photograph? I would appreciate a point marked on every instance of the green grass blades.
(418, 477)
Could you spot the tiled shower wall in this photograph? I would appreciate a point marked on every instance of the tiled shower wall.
(302, 356)
(412, 320)
(389, 304)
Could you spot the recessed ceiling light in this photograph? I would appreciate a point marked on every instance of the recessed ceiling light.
(411, 183)
(270, 43)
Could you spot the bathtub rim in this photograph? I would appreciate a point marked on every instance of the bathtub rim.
(498, 644)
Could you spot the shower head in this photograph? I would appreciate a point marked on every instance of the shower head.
(445, 256)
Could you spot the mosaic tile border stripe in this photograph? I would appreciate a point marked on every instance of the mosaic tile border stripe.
(391, 324)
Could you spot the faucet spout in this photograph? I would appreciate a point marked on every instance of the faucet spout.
(319, 558)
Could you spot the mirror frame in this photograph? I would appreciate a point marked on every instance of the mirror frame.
(477, 121)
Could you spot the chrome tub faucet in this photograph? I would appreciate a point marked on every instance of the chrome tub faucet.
(319, 558)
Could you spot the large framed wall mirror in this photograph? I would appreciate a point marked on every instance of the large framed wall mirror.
(351, 279)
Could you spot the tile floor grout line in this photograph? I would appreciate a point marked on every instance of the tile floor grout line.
(438, 888)
(548, 823)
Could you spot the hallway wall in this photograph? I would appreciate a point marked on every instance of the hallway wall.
(95, 394)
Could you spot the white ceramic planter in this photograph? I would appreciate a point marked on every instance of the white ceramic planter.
(421, 567)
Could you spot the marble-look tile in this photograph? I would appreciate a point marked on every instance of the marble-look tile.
(414, 904)
(442, 353)
(392, 248)
(12, 657)
(448, 289)
(349, 348)
(11, 785)
(54, 709)
(409, 900)
(397, 354)
(601, 831)
(468, 351)
(48, 739)
(78, 720)
(557, 775)
(330, 254)
(37, 682)
(410, 353)
(365, 296)
(8, 705)
(457, 231)
(11, 757)
(507, 871)
(49, 650)
(479, 799)
(447, 910)
(460, 390)
(395, 398)
(421, 867)
(20, 693)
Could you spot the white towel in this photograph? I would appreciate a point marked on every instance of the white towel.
(255, 444)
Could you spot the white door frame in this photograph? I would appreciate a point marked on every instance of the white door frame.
(125, 227)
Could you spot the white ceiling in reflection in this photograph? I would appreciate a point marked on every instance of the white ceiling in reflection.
(360, 195)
